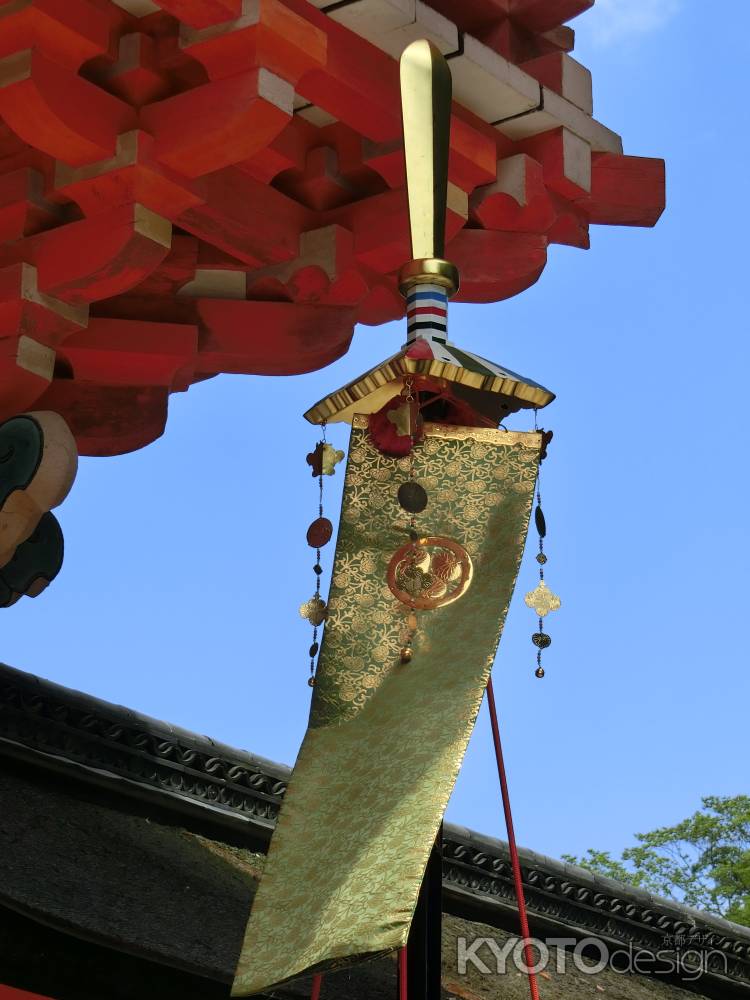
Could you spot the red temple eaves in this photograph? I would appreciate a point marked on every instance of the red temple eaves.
(190, 187)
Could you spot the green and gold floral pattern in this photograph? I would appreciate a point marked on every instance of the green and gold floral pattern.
(386, 739)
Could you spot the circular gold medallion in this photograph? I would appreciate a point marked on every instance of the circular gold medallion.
(430, 573)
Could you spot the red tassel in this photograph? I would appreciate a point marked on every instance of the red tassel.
(384, 433)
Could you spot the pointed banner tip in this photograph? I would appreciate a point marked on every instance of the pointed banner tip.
(422, 52)
(426, 95)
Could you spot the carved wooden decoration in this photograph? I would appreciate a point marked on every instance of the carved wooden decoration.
(34, 564)
(38, 463)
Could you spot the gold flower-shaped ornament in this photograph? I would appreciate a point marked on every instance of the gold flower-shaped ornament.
(542, 600)
(314, 610)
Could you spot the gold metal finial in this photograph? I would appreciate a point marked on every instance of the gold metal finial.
(426, 92)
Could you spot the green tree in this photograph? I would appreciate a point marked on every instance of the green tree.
(704, 861)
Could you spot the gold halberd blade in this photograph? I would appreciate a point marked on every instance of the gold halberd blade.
(426, 93)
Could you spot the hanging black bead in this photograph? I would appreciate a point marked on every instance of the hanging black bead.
(412, 497)
(541, 524)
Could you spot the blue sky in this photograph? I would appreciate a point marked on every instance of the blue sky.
(186, 561)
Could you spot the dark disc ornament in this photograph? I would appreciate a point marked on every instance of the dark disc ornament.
(314, 649)
(541, 524)
(541, 558)
(541, 640)
(412, 497)
(315, 459)
(319, 533)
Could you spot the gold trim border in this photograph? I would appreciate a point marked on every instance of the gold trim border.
(455, 432)
(400, 365)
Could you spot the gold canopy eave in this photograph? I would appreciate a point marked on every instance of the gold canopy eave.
(372, 390)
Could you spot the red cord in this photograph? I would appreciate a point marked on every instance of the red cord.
(514, 860)
(403, 992)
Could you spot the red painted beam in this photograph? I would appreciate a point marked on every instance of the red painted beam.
(219, 124)
(496, 265)
(268, 34)
(55, 110)
(9, 993)
(108, 419)
(133, 352)
(202, 13)
(98, 257)
(626, 190)
(235, 337)
(544, 15)
(68, 31)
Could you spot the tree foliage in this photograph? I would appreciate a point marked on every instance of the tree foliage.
(704, 861)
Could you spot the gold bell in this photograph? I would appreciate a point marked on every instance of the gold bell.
(406, 654)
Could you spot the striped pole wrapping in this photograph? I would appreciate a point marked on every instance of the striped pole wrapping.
(427, 318)
(427, 313)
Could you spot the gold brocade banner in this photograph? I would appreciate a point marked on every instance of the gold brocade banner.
(385, 739)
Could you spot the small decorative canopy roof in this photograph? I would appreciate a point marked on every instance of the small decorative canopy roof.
(491, 390)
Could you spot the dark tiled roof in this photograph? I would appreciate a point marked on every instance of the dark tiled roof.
(162, 894)
(148, 768)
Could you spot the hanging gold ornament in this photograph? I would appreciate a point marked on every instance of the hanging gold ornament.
(314, 610)
(324, 459)
(403, 419)
(542, 600)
